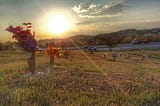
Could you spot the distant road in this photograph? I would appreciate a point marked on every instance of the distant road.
(149, 46)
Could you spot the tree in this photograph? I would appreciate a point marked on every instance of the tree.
(111, 40)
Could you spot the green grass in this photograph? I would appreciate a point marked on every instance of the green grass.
(85, 80)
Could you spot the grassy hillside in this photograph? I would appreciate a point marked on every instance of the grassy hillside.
(82, 80)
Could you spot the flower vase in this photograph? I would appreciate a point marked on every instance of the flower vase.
(31, 63)
(51, 60)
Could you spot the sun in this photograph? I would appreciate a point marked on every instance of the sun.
(58, 24)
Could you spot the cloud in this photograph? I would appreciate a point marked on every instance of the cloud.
(110, 9)
(89, 22)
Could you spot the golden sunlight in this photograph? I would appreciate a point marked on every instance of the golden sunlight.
(58, 24)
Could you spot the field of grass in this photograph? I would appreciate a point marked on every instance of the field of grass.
(82, 80)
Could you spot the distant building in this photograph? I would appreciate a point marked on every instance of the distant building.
(156, 31)
(148, 34)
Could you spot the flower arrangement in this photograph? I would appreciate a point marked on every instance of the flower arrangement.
(53, 52)
(24, 36)
(26, 42)
(66, 53)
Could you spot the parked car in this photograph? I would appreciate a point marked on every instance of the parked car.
(90, 48)
(142, 40)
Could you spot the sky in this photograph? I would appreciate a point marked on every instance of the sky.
(87, 16)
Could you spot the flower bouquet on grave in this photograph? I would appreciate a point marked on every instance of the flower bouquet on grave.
(26, 42)
(53, 52)
(66, 53)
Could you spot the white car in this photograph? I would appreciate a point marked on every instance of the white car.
(90, 48)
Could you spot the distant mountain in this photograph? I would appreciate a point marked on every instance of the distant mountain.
(45, 41)
(80, 37)
(84, 38)
(127, 32)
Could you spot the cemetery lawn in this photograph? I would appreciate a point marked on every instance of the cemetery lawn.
(83, 79)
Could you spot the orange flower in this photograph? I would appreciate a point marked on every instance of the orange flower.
(52, 51)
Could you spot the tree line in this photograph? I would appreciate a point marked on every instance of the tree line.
(110, 40)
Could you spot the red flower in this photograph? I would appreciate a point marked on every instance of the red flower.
(22, 35)
(29, 27)
(29, 23)
(24, 23)
(18, 28)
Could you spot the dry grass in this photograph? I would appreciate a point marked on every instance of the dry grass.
(84, 80)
